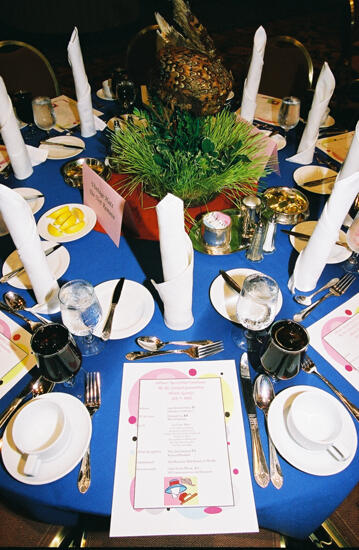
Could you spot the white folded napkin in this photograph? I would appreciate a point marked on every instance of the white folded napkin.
(82, 87)
(21, 224)
(11, 135)
(177, 264)
(313, 258)
(37, 155)
(251, 84)
(322, 95)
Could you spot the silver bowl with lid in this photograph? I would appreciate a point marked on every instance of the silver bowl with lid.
(72, 170)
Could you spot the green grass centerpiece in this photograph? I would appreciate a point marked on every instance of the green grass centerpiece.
(169, 150)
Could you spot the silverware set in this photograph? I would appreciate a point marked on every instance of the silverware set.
(196, 352)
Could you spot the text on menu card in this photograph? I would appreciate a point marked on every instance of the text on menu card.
(182, 453)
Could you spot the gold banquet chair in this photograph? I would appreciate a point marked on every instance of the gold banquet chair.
(24, 67)
(287, 69)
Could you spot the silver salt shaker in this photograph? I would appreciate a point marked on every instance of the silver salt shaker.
(269, 239)
(255, 251)
(250, 206)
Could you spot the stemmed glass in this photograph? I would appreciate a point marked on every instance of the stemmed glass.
(81, 312)
(256, 307)
(352, 237)
(289, 113)
(125, 95)
(44, 114)
(22, 103)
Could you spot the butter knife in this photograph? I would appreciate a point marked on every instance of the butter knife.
(106, 331)
(5, 278)
(16, 402)
(306, 237)
(62, 144)
(230, 281)
(260, 468)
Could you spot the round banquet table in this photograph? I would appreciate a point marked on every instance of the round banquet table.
(305, 500)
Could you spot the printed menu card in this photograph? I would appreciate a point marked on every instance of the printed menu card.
(182, 465)
(336, 338)
(16, 358)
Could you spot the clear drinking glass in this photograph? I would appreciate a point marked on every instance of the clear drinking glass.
(256, 307)
(44, 114)
(289, 113)
(125, 95)
(81, 312)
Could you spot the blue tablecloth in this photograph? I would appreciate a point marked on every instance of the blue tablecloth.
(305, 500)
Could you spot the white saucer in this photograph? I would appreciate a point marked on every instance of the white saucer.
(100, 93)
(44, 221)
(329, 121)
(338, 253)
(35, 204)
(81, 430)
(320, 463)
(278, 138)
(310, 173)
(224, 299)
(56, 153)
(58, 262)
(133, 312)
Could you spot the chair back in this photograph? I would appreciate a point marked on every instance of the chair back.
(141, 55)
(24, 67)
(287, 69)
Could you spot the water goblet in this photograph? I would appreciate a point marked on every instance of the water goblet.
(289, 113)
(81, 312)
(125, 95)
(256, 309)
(44, 114)
(22, 103)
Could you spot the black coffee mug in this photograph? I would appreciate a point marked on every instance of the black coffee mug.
(283, 351)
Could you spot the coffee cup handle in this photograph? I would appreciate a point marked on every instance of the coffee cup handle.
(32, 465)
(339, 453)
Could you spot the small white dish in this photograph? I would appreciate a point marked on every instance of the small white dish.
(134, 311)
(224, 299)
(123, 119)
(329, 121)
(338, 253)
(56, 153)
(44, 221)
(35, 204)
(311, 173)
(320, 463)
(280, 141)
(81, 429)
(58, 262)
(100, 93)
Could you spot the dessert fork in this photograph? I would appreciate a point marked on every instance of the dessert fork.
(336, 290)
(309, 367)
(92, 404)
(196, 352)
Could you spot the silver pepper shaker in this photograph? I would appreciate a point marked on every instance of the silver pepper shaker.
(269, 239)
(255, 251)
(250, 205)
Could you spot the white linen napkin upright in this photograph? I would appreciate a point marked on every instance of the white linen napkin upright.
(322, 95)
(11, 135)
(312, 260)
(251, 84)
(82, 87)
(177, 264)
(21, 225)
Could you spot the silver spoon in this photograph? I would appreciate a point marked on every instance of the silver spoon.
(38, 387)
(263, 393)
(33, 325)
(307, 300)
(152, 343)
(16, 302)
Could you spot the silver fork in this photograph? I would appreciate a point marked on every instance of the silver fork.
(336, 290)
(92, 404)
(309, 367)
(196, 352)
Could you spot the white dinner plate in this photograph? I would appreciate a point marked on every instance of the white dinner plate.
(44, 221)
(35, 204)
(100, 93)
(338, 253)
(320, 463)
(312, 173)
(58, 152)
(133, 312)
(278, 138)
(224, 299)
(81, 429)
(58, 262)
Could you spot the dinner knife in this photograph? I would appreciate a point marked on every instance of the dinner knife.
(230, 281)
(16, 402)
(62, 144)
(306, 237)
(260, 468)
(106, 331)
(312, 183)
(5, 278)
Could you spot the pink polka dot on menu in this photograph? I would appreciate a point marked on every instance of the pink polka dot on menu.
(16, 337)
(235, 471)
(349, 368)
(192, 372)
(348, 312)
(132, 420)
